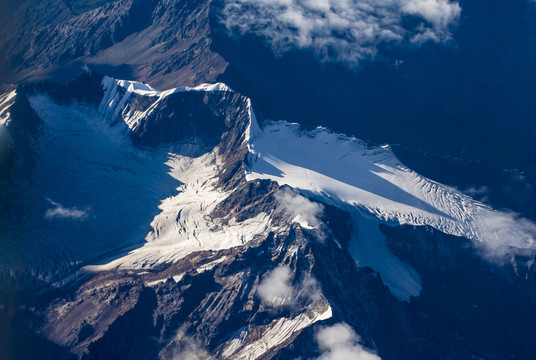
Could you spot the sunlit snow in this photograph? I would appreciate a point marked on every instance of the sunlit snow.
(374, 184)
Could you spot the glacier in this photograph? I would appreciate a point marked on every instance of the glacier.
(375, 187)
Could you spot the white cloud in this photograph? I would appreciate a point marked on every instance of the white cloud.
(309, 288)
(476, 191)
(479, 193)
(301, 209)
(188, 348)
(341, 30)
(340, 342)
(502, 229)
(275, 288)
(439, 13)
(58, 211)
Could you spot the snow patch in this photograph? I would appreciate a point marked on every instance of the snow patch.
(5, 102)
(175, 278)
(253, 130)
(368, 248)
(210, 265)
(277, 333)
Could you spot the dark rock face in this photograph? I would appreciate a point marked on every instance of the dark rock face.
(129, 337)
(86, 88)
(202, 115)
(132, 320)
(65, 41)
(20, 19)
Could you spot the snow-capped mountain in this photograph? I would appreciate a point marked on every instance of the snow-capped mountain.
(178, 223)
(286, 179)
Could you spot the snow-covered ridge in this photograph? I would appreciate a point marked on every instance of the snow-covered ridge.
(370, 183)
(343, 170)
(118, 93)
(140, 88)
(105, 169)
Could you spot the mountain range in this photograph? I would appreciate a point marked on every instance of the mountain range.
(242, 179)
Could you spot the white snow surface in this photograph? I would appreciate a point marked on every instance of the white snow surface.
(371, 183)
(5, 100)
(278, 332)
(184, 224)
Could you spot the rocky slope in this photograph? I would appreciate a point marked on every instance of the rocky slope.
(164, 42)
